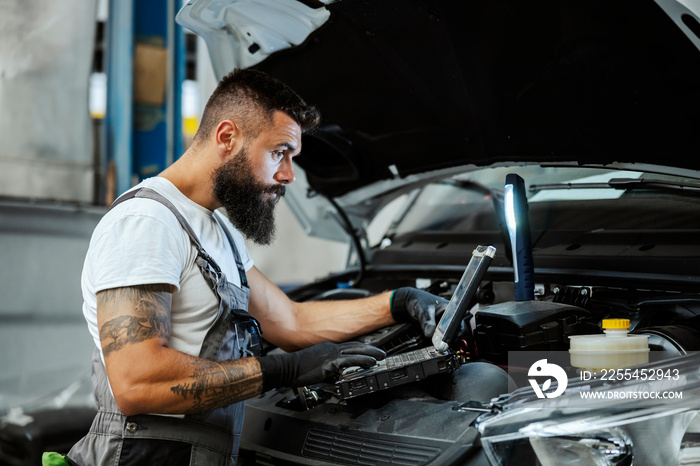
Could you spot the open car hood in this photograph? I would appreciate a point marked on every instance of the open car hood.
(408, 87)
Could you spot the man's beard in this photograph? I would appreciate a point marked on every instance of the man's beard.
(243, 198)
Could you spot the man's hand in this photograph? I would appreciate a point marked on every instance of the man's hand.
(421, 306)
(318, 363)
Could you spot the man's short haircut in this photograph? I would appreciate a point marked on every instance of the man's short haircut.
(249, 98)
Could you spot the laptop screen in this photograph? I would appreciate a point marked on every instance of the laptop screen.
(461, 298)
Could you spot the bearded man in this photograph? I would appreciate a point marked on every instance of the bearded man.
(177, 309)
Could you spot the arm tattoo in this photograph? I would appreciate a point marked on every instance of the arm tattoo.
(214, 385)
(147, 315)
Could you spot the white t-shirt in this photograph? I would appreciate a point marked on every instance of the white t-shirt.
(141, 242)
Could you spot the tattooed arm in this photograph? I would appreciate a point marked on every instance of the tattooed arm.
(293, 326)
(146, 375)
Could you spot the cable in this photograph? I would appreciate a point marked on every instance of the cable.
(355, 239)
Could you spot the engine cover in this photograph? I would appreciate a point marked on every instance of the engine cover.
(528, 325)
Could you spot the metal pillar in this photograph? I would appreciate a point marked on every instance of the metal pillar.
(118, 119)
(145, 70)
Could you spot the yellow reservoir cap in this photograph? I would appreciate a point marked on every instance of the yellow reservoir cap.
(616, 323)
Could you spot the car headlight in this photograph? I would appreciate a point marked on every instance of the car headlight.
(603, 448)
(612, 429)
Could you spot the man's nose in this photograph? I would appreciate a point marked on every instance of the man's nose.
(285, 172)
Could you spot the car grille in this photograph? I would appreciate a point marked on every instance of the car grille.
(354, 449)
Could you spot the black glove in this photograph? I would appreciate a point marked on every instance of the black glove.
(412, 303)
(318, 363)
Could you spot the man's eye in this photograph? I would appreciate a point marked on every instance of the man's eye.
(278, 154)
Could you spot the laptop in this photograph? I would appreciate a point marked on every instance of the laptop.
(425, 362)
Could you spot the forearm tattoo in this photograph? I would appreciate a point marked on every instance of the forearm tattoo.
(219, 384)
(147, 315)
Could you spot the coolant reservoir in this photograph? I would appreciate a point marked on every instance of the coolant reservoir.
(614, 350)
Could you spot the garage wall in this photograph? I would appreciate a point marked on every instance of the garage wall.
(45, 61)
(45, 347)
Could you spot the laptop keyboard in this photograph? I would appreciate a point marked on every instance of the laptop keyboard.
(412, 357)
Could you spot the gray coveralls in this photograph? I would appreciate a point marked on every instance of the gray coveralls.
(207, 438)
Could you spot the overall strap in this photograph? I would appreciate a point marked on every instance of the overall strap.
(236, 255)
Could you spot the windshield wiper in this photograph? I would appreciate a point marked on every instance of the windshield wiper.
(469, 185)
(623, 183)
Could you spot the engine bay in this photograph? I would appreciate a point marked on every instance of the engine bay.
(496, 326)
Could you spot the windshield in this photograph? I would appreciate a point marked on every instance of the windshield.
(470, 201)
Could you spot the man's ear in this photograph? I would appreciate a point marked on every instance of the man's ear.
(228, 138)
